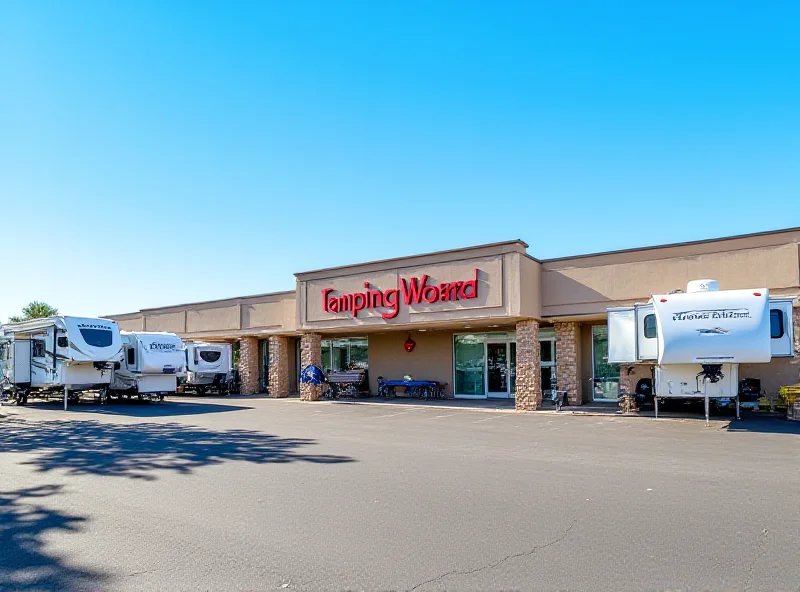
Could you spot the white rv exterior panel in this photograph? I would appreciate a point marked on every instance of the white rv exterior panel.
(681, 381)
(621, 335)
(782, 346)
(85, 376)
(93, 340)
(157, 383)
(158, 353)
(22, 361)
(646, 347)
(731, 326)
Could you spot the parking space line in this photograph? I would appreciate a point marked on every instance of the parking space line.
(396, 414)
(489, 418)
(443, 416)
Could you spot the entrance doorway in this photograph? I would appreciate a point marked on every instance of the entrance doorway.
(501, 366)
(485, 365)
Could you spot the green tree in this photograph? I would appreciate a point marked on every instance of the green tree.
(35, 310)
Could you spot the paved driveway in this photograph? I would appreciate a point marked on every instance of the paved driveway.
(257, 494)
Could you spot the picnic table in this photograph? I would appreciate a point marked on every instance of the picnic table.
(422, 389)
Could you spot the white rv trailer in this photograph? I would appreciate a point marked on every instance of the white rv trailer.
(209, 366)
(151, 364)
(696, 340)
(59, 356)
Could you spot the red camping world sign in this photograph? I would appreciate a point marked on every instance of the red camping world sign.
(413, 291)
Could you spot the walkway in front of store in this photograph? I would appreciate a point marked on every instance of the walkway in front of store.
(676, 411)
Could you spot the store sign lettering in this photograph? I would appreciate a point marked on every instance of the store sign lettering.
(413, 291)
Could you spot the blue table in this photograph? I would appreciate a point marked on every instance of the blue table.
(423, 389)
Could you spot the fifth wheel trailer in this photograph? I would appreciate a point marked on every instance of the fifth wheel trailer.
(59, 356)
(208, 366)
(695, 340)
(151, 364)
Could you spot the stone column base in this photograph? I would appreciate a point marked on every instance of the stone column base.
(529, 376)
(310, 354)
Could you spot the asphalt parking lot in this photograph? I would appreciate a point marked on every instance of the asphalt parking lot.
(260, 494)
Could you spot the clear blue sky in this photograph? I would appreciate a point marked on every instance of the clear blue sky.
(155, 153)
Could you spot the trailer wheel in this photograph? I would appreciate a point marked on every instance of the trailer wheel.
(201, 390)
(22, 398)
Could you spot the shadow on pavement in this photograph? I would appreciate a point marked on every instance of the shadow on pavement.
(24, 524)
(764, 425)
(142, 408)
(137, 450)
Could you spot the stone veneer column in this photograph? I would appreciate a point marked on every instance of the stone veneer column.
(567, 339)
(248, 365)
(529, 376)
(278, 366)
(310, 353)
(796, 314)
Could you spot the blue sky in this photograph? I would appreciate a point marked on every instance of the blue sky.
(155, 153)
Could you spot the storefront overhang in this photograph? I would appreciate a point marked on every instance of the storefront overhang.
(490, 284)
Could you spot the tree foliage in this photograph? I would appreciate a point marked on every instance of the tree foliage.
(35, 310)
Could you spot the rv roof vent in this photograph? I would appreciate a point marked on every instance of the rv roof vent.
(702, 286)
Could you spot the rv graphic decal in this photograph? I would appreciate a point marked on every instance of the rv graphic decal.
(90, 326)
(723, 313)
(162, 346)
(714, 331)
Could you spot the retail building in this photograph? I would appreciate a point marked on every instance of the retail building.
(490, 321)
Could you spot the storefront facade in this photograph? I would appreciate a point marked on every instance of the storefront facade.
(488, 322)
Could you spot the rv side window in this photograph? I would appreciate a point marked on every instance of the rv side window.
(62, 342)
(650, 330)
(776, 324)
(131, 356)
(97, 337)
(38, 348)
(210, 356)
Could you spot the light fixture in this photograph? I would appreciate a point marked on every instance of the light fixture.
(422, 330)
(409, 344)
(493, 326)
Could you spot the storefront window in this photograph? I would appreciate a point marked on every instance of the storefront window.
(470, 362)
(345, 354)
(605, 379)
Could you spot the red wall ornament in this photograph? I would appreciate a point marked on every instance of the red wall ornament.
(409, 344)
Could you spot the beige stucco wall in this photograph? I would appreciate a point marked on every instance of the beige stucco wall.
(432, 358)
(231, 318)
(171, 322)
(530, 288)
(129, 322)
(591, 284)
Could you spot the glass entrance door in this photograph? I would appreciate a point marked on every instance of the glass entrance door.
(605, 376)
(497, 370)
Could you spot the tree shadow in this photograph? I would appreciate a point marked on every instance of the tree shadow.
(764, 425)
(138, 450)
(24, 524)
(143, 408)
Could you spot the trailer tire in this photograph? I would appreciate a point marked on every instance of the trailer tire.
(201, 391)
(22, 398)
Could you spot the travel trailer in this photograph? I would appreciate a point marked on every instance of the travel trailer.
(694, 341)
(150, 367)
(209, 366)
(59, 357)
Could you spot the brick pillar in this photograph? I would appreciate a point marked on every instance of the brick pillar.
(529, 376)
(278, 366)
(310, 353)
(567, 361)
(248, 365)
